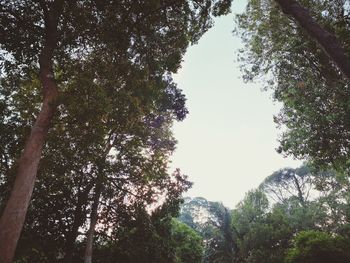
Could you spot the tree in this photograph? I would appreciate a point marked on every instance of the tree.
(212, 220)
(334, 199)
(13, 216)
(313, 246)
(313, 91)
(287, 183)
(73, 165)
(325, 39)
(265, 232)
(50, 35)
(254, 230)
(189, 244)
(137, 235)
(310, 198)
(70, 161)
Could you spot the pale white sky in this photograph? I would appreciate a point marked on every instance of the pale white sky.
(227, 143)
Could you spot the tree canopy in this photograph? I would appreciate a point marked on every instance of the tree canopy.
(312, 89)
(103, 70)
(87, 104)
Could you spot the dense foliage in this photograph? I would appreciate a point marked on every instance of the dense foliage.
(314, 93)
(305, 219)
(92, 82)
(97, 75)
(313, 246)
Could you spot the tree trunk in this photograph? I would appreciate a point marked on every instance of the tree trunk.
(325, 39)
(229, 236)
(300, 192)
(93, 221)
(79, 219)
(94, 209)
(12, 219)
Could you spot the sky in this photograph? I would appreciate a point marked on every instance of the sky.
(227, 143)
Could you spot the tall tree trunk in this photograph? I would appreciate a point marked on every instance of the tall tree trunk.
(71, 238)
(93, 221)
(229, 236)
(325, 39)
(79, 219)
(12, 219)
(96, 200)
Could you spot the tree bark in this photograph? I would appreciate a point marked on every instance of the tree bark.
(79, 219)
(12, 219)
(96, 200)
(325, 39)
(93, 221)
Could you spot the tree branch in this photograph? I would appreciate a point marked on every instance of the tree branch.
(325, 39)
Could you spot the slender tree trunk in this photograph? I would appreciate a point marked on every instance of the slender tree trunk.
(229, 236)
(94, 209)
(325, 39)
(79, 219)
(12, 219)
(93, 221)
(300, 192)
(70, 242)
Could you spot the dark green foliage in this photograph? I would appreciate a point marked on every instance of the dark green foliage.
(117, 101)
(315, 115)
(307, 200)
(135, 234)
(312, 247)
(314, 94)
(113, 65)
(261, 235)
(75, 159)
(143, 237)
(188, 243)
